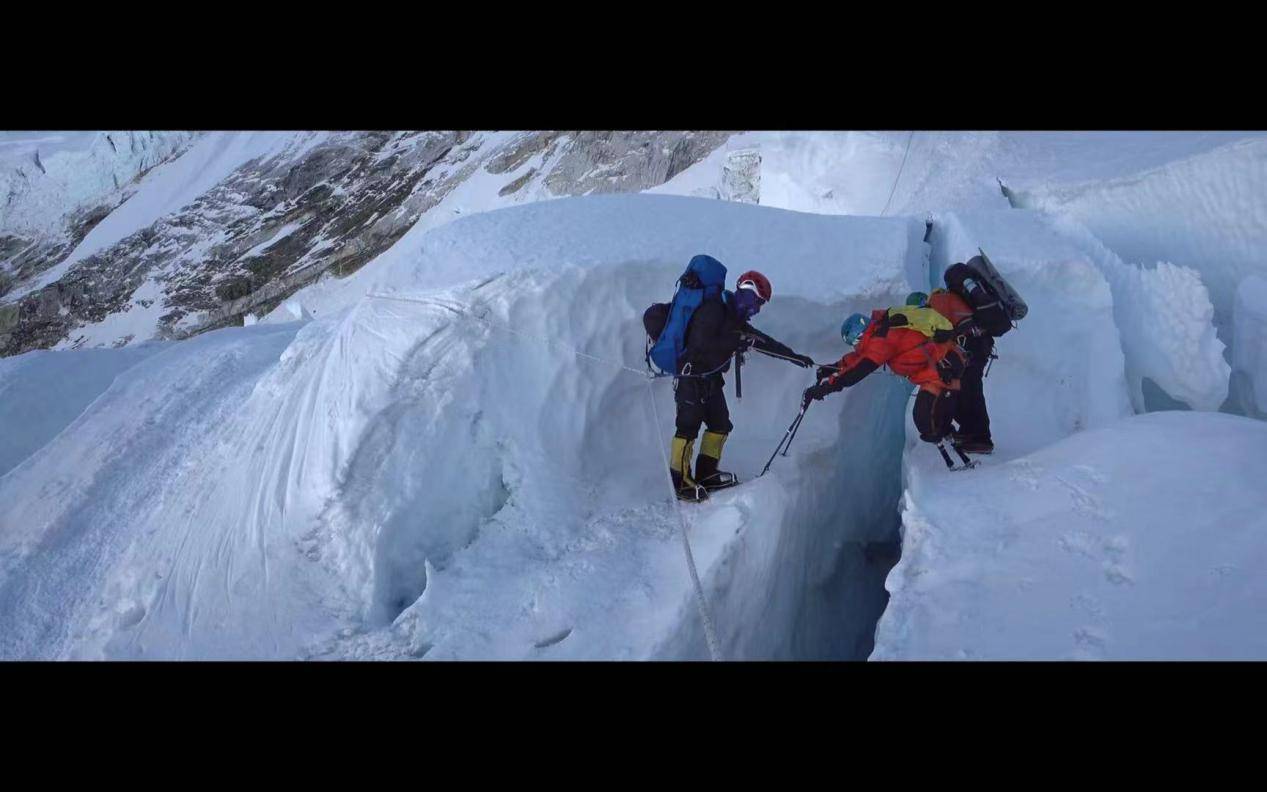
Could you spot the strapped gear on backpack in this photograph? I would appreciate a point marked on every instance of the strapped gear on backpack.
(995, 304)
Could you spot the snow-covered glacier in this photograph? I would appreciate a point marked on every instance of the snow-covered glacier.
(432, 470)
(454, 452)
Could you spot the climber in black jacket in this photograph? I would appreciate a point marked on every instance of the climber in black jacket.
(717, 330)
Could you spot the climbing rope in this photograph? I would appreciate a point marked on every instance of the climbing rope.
(701, 601)
(899, 173)
(710, 635)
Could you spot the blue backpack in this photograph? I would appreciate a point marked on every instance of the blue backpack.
(665, 323)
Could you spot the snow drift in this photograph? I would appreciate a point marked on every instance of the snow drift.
(451, 454)
(438, 475)
(1162, 317)
(1140, 540)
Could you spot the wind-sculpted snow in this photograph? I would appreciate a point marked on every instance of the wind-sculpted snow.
(42, 393)
(1089, 533)
(824, 258)
(925, 171)
(1062, 370)
(453, 452)
(436, 474)
(1205, 211)
(1162, 316)
(1141, 540)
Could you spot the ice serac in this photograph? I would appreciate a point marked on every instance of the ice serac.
(434, 472)
(1249, 322)
(1203, 210)
(1162, 315)
(1140, 540)
(58, 186)
(1062, 370)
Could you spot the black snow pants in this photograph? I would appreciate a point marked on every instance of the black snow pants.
(700, 400)
(933, 414)
(970, 412)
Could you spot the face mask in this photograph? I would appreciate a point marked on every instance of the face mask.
(747, 304)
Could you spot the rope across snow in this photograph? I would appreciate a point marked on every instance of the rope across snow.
(710, 632)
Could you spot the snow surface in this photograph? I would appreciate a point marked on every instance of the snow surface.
(823, 258)
(1205, 211)
(1155, 201)
(16, 146)
(398, 478)
(855, 172)
(29, 416)
(1162, 317)
(1141, 540)
(458, 466)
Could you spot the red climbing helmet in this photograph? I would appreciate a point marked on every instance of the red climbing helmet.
(756, 282)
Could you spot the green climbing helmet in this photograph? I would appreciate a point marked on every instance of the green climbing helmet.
(918, 299)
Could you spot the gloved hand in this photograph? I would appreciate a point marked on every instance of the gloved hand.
(814, 393)
(824, 372)
(804, 361)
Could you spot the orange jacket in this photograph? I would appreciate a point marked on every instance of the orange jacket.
(950, 305)
(908, 353)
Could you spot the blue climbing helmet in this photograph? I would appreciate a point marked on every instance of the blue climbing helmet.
(853, 328)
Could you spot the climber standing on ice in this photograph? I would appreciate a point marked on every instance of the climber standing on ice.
(906, 341)
(695, 338)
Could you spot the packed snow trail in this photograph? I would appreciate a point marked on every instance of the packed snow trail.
(1141, 540)
(41, 393)
(1071, 541)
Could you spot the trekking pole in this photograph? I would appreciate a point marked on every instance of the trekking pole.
(795, 428)
(791, 432)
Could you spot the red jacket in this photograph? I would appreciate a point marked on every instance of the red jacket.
(908, 353)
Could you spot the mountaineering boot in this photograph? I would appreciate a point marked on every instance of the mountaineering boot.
(968, 464)
(706, 472)
(973, 444)
(687, 488)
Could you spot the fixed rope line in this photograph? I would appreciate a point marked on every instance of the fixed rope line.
(701, 601)
(710, 635)
(899, 173)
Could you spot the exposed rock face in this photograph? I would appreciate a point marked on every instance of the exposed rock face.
(278, 223)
